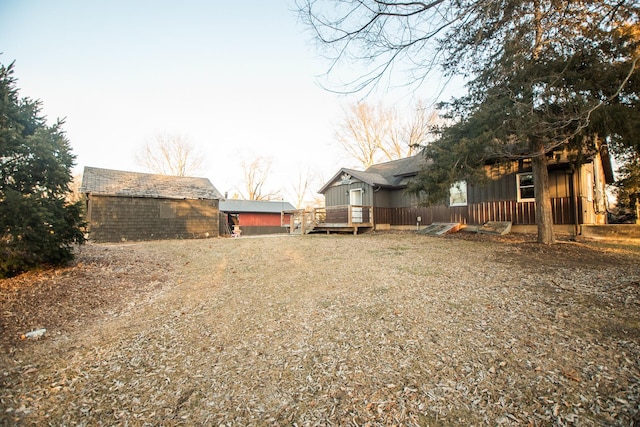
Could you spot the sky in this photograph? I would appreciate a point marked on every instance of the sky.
(238, 80)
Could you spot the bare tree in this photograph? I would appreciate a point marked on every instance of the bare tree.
(382, 38)
(393, 145)
(74, 195)
(255, 177)
(301, 191)
(361, 133)
(372, 134)
(420, 130)
(171, 154)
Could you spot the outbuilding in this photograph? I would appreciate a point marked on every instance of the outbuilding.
(122, 206)
(252, 217)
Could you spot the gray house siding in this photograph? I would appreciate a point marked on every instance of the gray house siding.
(503, 187)
(382, 197)
(400, 198)
(577, 193)
(339, 195)
(393, 198)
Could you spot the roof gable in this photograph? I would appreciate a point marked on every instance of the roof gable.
(134, 184)
(389, 174)
(395, 170)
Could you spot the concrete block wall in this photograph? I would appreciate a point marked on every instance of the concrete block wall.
(117, 219)
(612, 231)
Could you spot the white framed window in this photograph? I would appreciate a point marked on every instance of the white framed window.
(524, 182)
(458, 194)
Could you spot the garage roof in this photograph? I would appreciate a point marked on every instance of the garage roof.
(260, 206)
(134, 184)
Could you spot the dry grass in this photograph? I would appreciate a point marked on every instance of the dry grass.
(378, 329)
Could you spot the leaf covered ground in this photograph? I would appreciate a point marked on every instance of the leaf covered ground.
(376, 329)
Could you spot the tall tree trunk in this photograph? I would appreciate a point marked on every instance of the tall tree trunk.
(544, 213)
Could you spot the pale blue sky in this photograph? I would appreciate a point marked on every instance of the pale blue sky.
(237, 78)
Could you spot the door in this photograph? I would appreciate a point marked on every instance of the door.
(355, 202)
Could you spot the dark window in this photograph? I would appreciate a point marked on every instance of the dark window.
(525, 187)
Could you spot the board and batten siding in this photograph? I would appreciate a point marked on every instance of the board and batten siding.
(504, 187)
(380, 197)
(494, 199)
(338, 195)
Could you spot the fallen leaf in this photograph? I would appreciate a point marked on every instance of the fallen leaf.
(571, 374)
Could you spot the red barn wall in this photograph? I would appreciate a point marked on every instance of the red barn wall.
(255, 223)
(253, 219)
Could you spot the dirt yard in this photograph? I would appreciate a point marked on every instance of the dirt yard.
(378, 329)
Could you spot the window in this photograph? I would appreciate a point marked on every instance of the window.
(458, 194)
(525, 187)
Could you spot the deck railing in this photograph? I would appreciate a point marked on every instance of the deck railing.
(519, 213)
(347, 216)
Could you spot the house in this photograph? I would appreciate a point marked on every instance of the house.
(376, 197)
(357, 200)
(253, 217)
(125, 206)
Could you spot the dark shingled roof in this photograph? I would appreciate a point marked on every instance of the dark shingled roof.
(134, 184)
(395, 173)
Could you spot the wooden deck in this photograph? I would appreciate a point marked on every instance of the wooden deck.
(336, 219)
(354, 219)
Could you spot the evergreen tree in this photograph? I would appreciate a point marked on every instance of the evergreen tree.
(37, 225)
(540, 72)
(550, 75)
